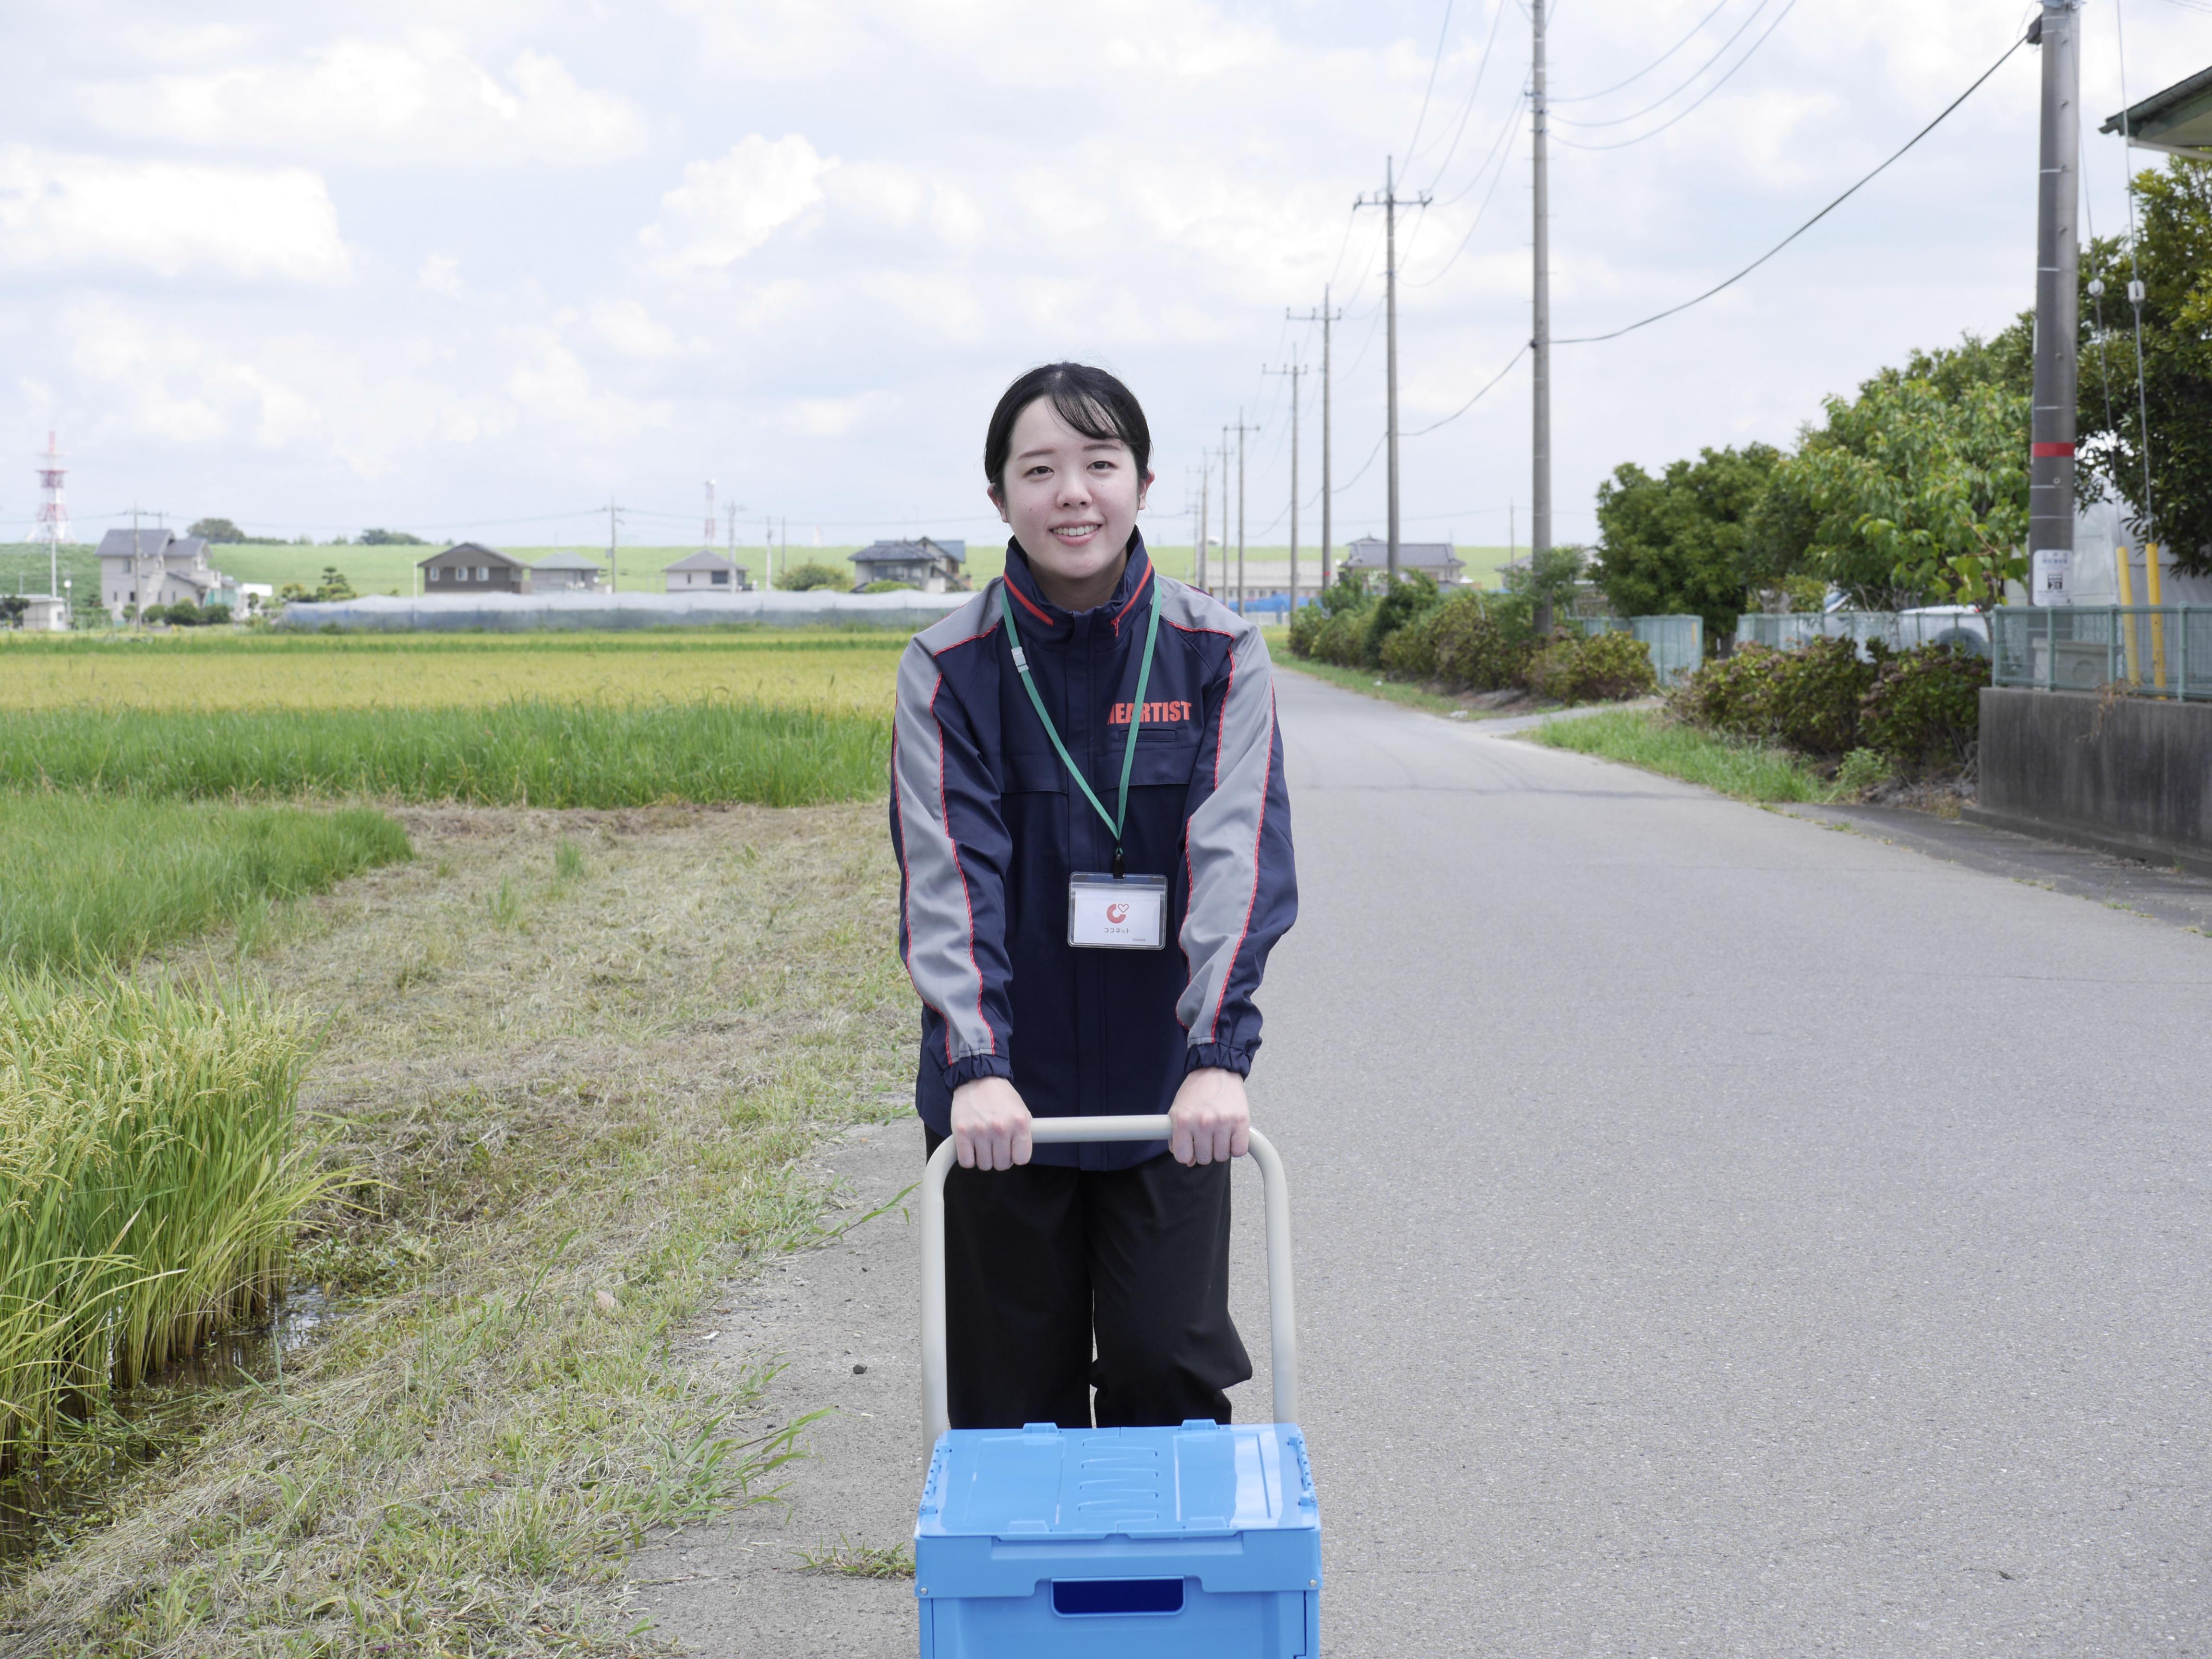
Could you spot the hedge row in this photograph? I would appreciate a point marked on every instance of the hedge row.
(1916, 708)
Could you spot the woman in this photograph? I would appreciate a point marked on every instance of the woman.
(1086, 774)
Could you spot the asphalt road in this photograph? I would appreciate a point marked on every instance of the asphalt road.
(1717, 1235)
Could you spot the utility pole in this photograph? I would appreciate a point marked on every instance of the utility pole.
(1389, 201)
(614, 569)
(1294, 370)
(1197, 521)
(2057, 308)
(1240, 429)
(137, 568)
(1205, 501)
(1540, 343)
(1324, 316)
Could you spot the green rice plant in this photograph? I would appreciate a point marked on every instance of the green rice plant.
(513, 754)
(151, 1177)
(85, 881)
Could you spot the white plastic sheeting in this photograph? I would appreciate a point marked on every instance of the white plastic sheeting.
(523, 612)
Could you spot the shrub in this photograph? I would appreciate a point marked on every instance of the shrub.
(1816, 693)
(1410, 653)
(809, 576)
(1406, 600)
(1924, 707)
(1347, 593)
(1861, 770)
(1609, 667)
(887, 586)
(1807, 698)
(1342, 638)
(1481, 641)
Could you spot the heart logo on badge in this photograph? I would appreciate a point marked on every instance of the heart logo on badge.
(1117, 914)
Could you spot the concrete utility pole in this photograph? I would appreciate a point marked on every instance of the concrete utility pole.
(614, 570)
(1324, 316)
(138, 569)
(1540, 343)
(1198, 530)
(2057, 308)
(1294, 370)
(1240, 429)
(1389, 201)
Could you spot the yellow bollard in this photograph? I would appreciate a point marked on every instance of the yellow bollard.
(2126, 623)
(2157, 622)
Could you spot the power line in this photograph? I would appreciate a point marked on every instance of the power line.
(1435, 63)
(1475, 399)
(1701, 96)
(1591, 339)
(1585, 97)
(1687, 81)
(1497, 17)
(1511, 122)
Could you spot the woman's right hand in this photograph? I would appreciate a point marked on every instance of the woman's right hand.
(990, 1124)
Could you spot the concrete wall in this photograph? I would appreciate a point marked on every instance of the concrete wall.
(518, 612)
(2131, 775)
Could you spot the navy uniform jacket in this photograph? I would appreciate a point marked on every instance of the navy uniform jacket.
(988, 827)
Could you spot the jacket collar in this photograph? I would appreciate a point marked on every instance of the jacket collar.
(1039, 617)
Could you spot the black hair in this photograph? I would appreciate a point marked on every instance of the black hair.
(1091, 400)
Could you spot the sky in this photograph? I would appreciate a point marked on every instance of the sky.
(478, 269)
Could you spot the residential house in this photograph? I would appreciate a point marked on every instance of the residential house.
(471, 568)
(706, 572)
(566, 573)
(141, 568)
(925, 562)
(1433, 559)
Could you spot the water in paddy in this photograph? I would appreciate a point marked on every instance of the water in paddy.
(45, 1497)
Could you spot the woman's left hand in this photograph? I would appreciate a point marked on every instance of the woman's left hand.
(1211, 1121)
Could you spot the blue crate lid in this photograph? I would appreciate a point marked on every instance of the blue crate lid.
(1232, 1504)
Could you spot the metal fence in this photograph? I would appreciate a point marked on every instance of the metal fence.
(2154, 650)
(1901, 630)
(1677, 644)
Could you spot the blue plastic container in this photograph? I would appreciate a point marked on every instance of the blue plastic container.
(1200, 1542)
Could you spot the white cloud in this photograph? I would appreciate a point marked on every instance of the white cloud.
(726, 209)
(627, 327)
(439, 273)
(422, 99)
(93, 214)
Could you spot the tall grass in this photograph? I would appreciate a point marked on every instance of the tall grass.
(85, 881)
(149, 1180)
(515, 754)
(1646, 737)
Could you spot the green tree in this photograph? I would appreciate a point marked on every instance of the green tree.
(390, 538)
(2173, 257)
(1920, 484)
(216, 530)
(809, 576)
(12, 607)
(1680, 542)
(333, 587)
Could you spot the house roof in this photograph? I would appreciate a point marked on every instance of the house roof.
(2178, 120)
(1372, 552)
(475, 551)
(567, 560)
(705, 559)
(921, 547)
(152, 540)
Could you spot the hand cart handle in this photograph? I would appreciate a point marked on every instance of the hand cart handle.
(936, 1410)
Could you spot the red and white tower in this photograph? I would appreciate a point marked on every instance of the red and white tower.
(53, 525)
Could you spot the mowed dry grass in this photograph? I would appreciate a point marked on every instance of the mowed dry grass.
(843, 673)
(578, 1085)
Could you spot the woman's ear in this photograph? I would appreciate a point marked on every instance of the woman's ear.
(992, 491)
(1145, 489)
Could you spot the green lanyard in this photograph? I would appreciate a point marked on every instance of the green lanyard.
(1114, 820)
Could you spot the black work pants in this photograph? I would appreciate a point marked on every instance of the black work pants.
(1040, 1258)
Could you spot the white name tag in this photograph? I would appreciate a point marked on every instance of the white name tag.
(1128, 915)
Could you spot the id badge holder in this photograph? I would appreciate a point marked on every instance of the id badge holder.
(1104, 913)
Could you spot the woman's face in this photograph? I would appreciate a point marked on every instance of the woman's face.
(1071, 501)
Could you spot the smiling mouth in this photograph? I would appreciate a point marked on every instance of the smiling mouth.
(1076, 532)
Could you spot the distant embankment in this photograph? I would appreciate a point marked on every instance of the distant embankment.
(521, 612)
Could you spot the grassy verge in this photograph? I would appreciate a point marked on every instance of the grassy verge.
(534, 754)
(85, 881)
(153, 1179)
(1646, 737)
(1370, 684)
(579, 1084)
